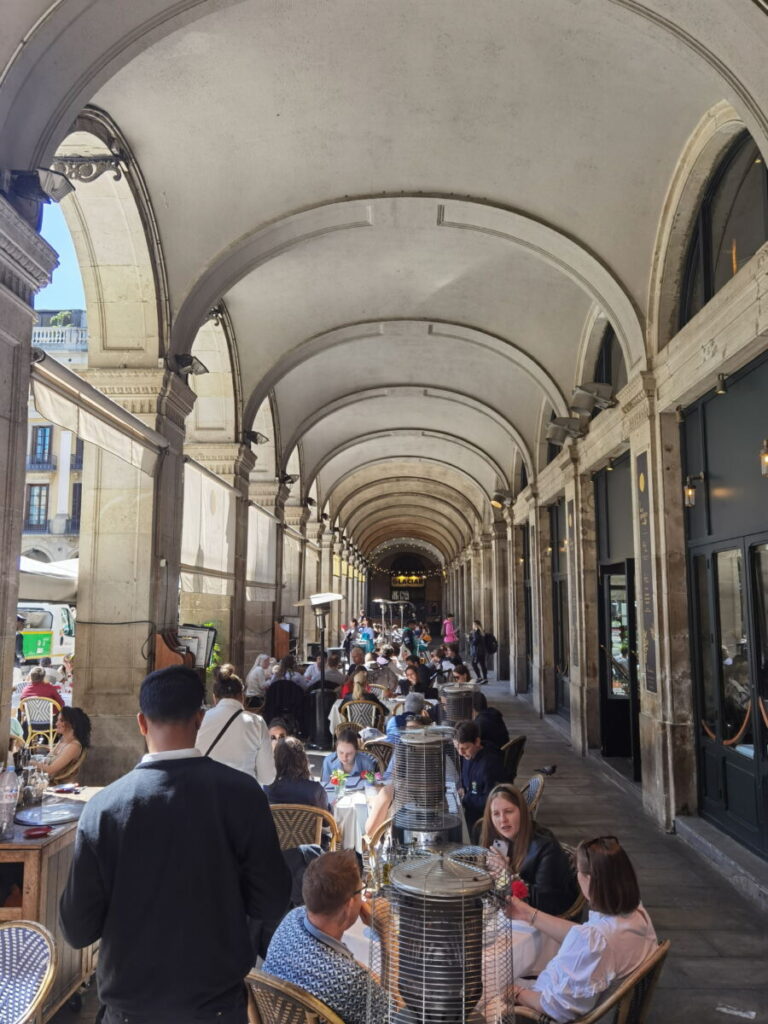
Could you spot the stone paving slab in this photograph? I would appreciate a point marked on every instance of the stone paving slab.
(719, 954)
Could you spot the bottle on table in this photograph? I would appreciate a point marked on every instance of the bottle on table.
(9, 794)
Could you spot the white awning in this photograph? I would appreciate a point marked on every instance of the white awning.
(64, 398)
(48, 581)
(208, 532)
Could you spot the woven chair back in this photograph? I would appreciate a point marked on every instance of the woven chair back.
(280, 1002)
(576, 910)
(363, 712)
(379, 690)
(299, 824)
(39, 713)
(27, 969)
(533, 791)
(382, 750)
(513, 753)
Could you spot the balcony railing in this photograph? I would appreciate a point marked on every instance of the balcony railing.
(36, 527)
(38, 465)
(76, 461)
(73, 525)
(61, 337)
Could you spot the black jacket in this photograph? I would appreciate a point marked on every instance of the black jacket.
(548, 874)
(177, 870)
(476, 644)
(478, 777)
(490, 722)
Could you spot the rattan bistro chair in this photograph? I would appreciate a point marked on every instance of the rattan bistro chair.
(363, 712)
(576, 910)
(533, 791)
(39, 716)
(299, 824)
(27, 969)
(281, 1002)
(629, 1004)
(512, 752)
(69, 771)
(381, 750)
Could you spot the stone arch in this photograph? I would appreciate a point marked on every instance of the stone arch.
(394, 485)
(700, 157)
(217, 412)
(123, 271)
(541, 240)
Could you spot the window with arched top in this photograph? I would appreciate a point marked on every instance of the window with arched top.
(731, 225)
(610, 367)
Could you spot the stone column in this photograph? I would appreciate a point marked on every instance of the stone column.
(311, 582)
(667, 742)
(541, 602)
(486, 580)
(292, 535)
(262, 603)
(501, 594)
(232, 463)
(26, 264)
(518, 651)
(130, 553)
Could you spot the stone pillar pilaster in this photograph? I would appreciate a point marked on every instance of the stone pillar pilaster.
(292, 535)
(232, 463)
(26, 264)
(263, 602)
(486, 580)
(130, 559)
(501, 592)
(543, 617)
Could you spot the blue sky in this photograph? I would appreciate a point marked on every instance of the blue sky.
(66, 288)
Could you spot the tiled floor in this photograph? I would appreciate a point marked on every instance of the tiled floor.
(719, 955)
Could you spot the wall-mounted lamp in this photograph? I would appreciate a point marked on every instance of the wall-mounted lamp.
(310, 502)
(325, 517)
(186, 365)
(288, 479)
(721, 388)
(609, 468)
(679, 417)
(502, 499)
(589, 395)
(764, 458)
(41, 185)
(255, 437)
(689, 489)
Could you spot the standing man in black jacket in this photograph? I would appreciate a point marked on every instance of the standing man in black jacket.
(177, 870)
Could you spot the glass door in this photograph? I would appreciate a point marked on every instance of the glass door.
(619, 703)
(730, 659)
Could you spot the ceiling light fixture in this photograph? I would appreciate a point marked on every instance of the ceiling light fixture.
(591, 394)
(288, 479)
(502, 499)
(310, 502)
(610, 467)
(41, 185)
(679, 414)
(562, 427)
(721, 385)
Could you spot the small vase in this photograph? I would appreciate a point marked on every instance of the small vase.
(341, 789)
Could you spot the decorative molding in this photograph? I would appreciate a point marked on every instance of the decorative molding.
(86, 169)
(230, 461)
(26, 260)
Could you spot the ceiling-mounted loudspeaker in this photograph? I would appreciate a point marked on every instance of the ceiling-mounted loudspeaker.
(591, 395)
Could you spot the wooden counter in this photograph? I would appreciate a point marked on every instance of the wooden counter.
(45, 863)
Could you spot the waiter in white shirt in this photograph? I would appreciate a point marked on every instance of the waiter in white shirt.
(234, 736)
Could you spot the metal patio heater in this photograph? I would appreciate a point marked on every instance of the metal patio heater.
(458, 702)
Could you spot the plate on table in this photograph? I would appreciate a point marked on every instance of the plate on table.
(59, 812)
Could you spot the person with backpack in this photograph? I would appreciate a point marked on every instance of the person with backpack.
(477, 652)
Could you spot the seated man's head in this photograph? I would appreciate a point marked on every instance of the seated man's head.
(357, 656)
(171, 708)
(468, 739)
(347, 746)
(333, 661)
(37, 674)
(332, 891)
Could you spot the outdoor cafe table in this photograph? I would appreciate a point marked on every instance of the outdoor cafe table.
(351, 813)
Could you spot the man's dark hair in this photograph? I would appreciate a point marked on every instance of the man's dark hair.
(173, 694)
(45, 662)
(467, 732)
(479, 701)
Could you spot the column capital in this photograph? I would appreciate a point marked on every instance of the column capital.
(148, 394)
(264, 492)
(231, 461)
(26, 259)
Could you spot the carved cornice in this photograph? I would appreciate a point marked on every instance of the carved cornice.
(232, 462)
(26, 260)
(144, 392)
(264, 492)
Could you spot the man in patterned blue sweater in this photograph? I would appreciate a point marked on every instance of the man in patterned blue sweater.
(307, 949)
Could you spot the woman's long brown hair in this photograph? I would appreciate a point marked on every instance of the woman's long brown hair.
(518, 847)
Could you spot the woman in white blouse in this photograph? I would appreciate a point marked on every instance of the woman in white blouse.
(594, 957)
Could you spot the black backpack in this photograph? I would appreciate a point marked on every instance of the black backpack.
(491, 643)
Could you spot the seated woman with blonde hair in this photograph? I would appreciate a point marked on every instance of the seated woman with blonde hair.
(73, 727)
(594, 958)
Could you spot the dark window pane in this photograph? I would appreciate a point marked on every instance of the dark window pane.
(37, 504)
(736, 214)
(706, 681)
(737, 690)
(41, 444)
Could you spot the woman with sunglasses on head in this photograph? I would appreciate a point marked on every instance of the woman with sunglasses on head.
(595, 957)
(517, 845)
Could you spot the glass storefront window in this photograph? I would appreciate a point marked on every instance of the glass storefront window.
(619, 638)
(707, 687)
(736, 688)
(760, 563)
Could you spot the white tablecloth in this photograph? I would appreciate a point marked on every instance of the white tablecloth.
(351, 814)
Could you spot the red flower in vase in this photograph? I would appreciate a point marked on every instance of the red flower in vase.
(519, 889)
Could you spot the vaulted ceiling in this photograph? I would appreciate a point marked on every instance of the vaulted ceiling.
(412, 212)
